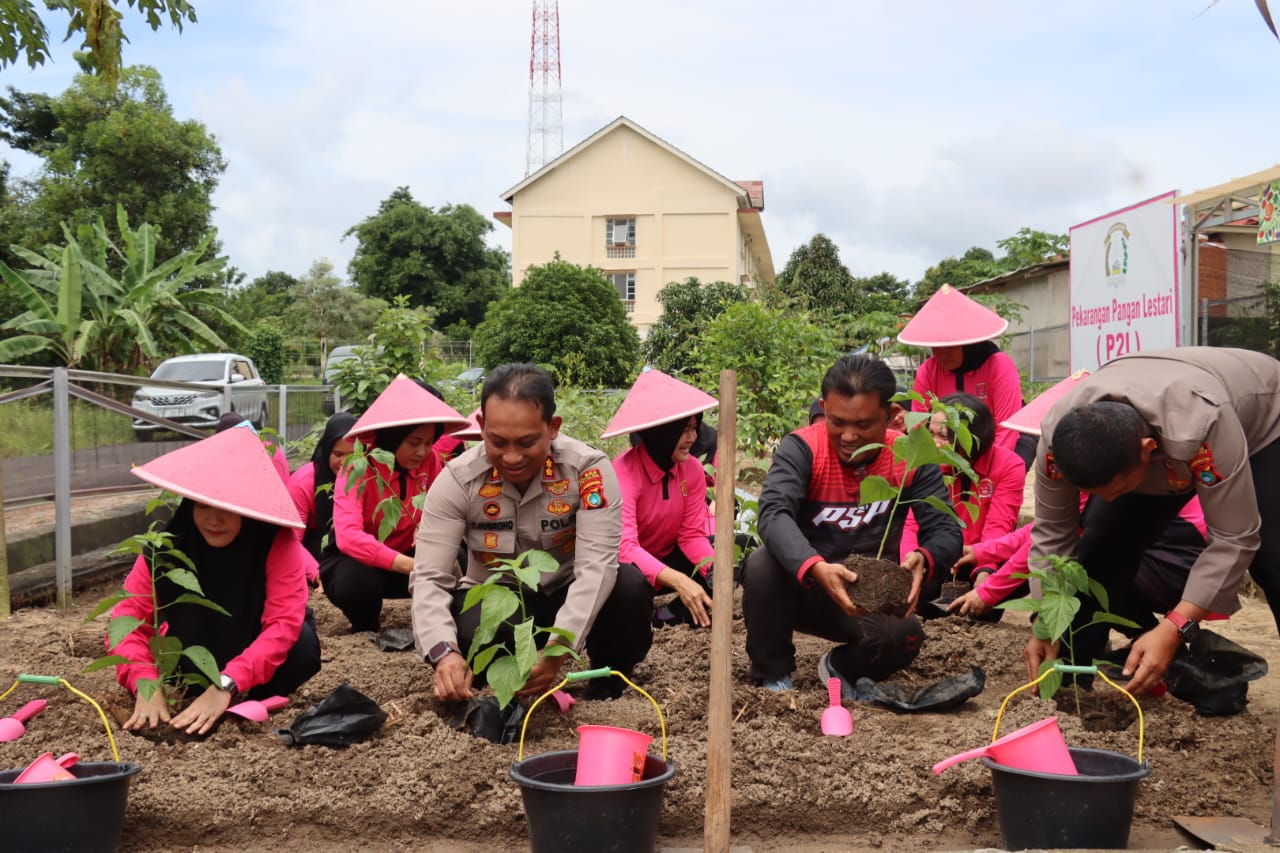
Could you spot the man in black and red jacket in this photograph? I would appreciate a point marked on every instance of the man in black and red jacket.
(811, 519)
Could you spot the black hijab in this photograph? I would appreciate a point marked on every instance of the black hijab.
(976, 355)
(660, 441)
(234, 577)
(336, 429)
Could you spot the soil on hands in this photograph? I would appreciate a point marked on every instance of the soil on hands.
(418, 784)
(881, 587)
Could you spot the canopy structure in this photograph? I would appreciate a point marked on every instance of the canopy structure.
(1213, 207)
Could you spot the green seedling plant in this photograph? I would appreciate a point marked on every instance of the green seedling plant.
(167, 651)
(500, 597)
(390, 509)
(1061, 585)
(916, 448)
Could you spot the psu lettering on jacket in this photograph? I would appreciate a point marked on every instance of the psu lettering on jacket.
(850, 517)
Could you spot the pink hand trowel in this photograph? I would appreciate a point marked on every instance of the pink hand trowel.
(12, 728)
(836, 720)
(258, 711)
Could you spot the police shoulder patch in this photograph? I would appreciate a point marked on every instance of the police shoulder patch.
(1202, 467)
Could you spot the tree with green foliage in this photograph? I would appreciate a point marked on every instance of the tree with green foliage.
(815, 278)
(568, 318)
(267, 298)
(321, 306)
(265, 345)
(883, 292)
(105, 146)
(23, 33)
(687, 307)
(438, 258)
(1026, 248)
(780, 356)
(90, 317)
(401, 342)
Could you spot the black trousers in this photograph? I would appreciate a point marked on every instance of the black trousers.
(358, 590)
(775, 606)
(619, 639)
(302, 662)
(1123, 535)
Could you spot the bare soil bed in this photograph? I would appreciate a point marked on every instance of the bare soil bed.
(417, 784)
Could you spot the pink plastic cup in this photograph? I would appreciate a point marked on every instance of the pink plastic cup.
(1038, 747)
(47, 769)
(608, 755)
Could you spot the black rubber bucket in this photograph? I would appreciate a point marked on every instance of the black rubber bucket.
(1048, 811)
(563, 816)
(82, 814)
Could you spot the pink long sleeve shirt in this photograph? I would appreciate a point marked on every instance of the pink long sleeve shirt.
(995, 382)
(660, 510)
(356, 515)
(302, 488)
(1011, 551)
(282, 614)
(1001, 480)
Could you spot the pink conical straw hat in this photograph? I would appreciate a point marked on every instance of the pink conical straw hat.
(951, 319)
(470, 432)
(1027, 419)
(404, 403)
(230, 470)
(657, 398)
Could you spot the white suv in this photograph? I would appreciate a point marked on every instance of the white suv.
(200, 408)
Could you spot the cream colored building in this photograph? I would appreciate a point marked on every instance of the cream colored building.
(644, 212)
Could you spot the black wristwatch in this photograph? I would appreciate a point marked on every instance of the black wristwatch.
(438, 652)
(1187, 628)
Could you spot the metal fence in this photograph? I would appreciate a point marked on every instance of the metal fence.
(63, 427)
(1249, 322)
(1042, 354)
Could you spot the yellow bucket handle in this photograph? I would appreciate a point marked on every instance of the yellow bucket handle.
(56, 680)
(1072, 669)
(586, 675)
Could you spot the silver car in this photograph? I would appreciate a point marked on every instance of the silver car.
(214, 371)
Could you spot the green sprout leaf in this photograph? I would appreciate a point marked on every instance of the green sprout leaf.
(505, 679)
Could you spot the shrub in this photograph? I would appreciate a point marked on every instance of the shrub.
(266, 347)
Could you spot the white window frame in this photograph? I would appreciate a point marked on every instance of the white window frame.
(624, 227)
(624, 284)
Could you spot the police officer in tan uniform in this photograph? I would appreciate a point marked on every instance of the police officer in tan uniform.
(1145, 433)
(528, 487)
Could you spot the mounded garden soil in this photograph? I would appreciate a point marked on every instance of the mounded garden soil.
(417, 784)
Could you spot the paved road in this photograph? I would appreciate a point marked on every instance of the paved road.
(31, 476)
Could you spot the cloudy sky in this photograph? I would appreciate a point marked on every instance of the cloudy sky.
(906, 130)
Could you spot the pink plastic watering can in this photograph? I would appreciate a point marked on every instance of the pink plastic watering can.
(12, 728)
(48, 769)
(258, 711)
(1038, 747)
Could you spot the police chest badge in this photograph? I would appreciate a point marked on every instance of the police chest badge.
(1176, 481)
(558, 507)
(491, 541)
(986, 488)
(591, 489)
(1202, 467)
(558, 487)
(492, 510)
(490, 490)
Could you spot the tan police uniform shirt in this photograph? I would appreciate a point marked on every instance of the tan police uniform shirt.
(572, 510)
(1209, 409)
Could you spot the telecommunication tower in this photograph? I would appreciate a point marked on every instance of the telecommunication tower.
(546, 118)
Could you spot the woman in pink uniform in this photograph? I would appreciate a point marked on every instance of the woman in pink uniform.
(960, 332)
(364, 564)
(236, 524)
(664, 513)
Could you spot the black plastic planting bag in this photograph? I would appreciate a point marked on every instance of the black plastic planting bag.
(344, 717)
(938, 696)
(395, 640)
(483, 718)
(1214, 674)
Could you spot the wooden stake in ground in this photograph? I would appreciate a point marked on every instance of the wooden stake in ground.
(4, 554)
(720, 706)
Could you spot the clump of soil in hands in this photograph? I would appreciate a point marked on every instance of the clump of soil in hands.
(951, 590)
(881, 587)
